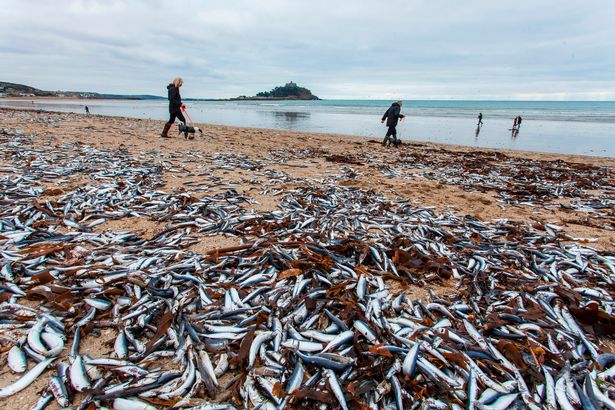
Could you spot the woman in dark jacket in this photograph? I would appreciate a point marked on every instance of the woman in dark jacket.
(175, 105)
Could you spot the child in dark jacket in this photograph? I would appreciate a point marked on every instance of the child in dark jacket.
(392, 116)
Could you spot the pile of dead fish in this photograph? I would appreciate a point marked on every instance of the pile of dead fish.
(314, 307)
(517, 181)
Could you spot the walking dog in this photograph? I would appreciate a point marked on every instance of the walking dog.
(189, 131)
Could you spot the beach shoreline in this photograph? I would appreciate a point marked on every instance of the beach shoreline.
(547, 156)
(574, 129)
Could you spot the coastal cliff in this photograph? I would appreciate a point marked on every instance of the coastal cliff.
(20, 90)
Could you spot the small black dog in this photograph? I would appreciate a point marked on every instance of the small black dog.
(189, 131)
(394, 143)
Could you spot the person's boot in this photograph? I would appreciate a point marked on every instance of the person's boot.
(165, 131)
(384, 142)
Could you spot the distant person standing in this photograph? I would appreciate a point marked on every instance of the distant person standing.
(392, 116)
(175, 105)
(519, 119)
(514, 127)
(87, 110)
(480, 119)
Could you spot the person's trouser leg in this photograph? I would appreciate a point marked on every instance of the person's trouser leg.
(167, 126)
(390, 132)
(393, 132)
(165, 131)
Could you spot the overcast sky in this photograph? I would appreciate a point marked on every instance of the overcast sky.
(411, 49)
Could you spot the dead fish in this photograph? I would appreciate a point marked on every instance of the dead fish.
(26, 379)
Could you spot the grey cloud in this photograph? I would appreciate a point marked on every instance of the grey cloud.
(350, 49)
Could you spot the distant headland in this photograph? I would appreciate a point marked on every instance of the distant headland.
(289, 91)
(20, 90)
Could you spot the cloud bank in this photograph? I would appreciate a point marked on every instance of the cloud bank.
(475, 49)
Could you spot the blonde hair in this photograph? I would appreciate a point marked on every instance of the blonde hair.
(177, 81)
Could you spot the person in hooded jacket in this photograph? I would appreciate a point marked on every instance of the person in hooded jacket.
(392, 116)
(175, 105)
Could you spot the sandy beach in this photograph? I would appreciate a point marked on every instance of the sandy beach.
(570, 195)
(428, 175)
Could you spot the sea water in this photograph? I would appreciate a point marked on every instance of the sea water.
(569, 127)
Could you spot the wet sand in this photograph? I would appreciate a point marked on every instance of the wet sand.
(461, 180)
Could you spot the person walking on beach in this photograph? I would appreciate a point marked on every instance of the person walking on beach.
(392, 115)
(515, 128)
(175, 105)
(87, 110)
(480, 119)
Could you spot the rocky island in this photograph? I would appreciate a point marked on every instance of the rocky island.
(290, 91)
